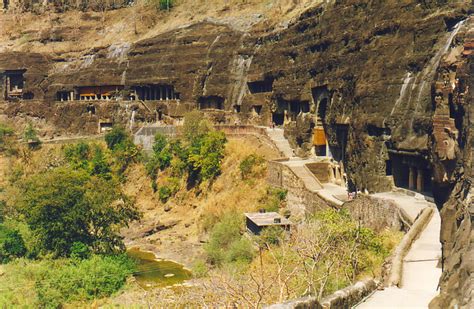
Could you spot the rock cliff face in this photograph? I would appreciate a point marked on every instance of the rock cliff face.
(385, 83)
(452, 147)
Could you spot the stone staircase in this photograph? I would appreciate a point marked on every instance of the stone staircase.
(328, 192)
(278, 138)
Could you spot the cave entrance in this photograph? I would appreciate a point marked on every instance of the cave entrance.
(321, 97)
(211, 102)
(14, 84)
(6, 3)
(155, 93)
(278, 119)
(411, 172)
(65, 96)
(261, 86)
(95, 93)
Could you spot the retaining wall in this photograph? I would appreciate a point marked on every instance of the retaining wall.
(300, 200)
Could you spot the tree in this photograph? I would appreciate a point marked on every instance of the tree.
(206, 155)
(116, 137)
(63, 206)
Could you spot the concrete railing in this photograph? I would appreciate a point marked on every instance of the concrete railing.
(402, 249)
(345, 298)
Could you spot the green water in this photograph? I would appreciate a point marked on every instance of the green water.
(157, 273)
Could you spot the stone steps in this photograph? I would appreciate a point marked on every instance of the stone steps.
(277, 136)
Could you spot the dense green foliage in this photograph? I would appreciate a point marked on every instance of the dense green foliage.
(52, 283)
(123, 149)
(226, 243)
(90, 158)
(63, 206)
(197, 156)
(11, 244)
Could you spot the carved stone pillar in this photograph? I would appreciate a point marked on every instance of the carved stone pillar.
(419, 181)
(411, 178)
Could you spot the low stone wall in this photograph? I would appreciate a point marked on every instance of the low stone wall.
(300, 200)
(377, 213)
(146, 135)
(402, 249)
(345, 298)
(349, 296)
(245, 130)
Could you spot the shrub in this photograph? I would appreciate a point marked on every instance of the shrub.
(200, 269)
(164, 192)
(226, 243)
(78, 155)
(97, 277)
(166, 4)
(271, 236)
(80, 251)
(11, 245)
(6, 138)
(241, 251)
(117, 136)
(274, 199)
(168, 190)
(206, 158)
(251, 166)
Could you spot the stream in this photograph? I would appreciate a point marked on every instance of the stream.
(152, 272)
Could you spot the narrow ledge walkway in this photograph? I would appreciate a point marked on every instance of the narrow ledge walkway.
(421, 271)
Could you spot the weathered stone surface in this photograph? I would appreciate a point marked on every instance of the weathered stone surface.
(376, 213)
(457, 213)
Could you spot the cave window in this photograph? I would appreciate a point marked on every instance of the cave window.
(261, 86)
(257, 109)
(105, 126)
(63, 96)
(6, 4)
(375, 131)
(320, 151)
(236, 108)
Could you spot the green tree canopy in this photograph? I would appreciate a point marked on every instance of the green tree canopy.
(63, 206)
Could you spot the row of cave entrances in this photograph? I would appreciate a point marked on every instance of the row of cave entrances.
(142, 92)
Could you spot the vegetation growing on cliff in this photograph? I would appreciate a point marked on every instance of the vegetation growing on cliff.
(60, 222)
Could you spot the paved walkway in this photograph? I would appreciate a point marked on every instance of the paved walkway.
(420, 268)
